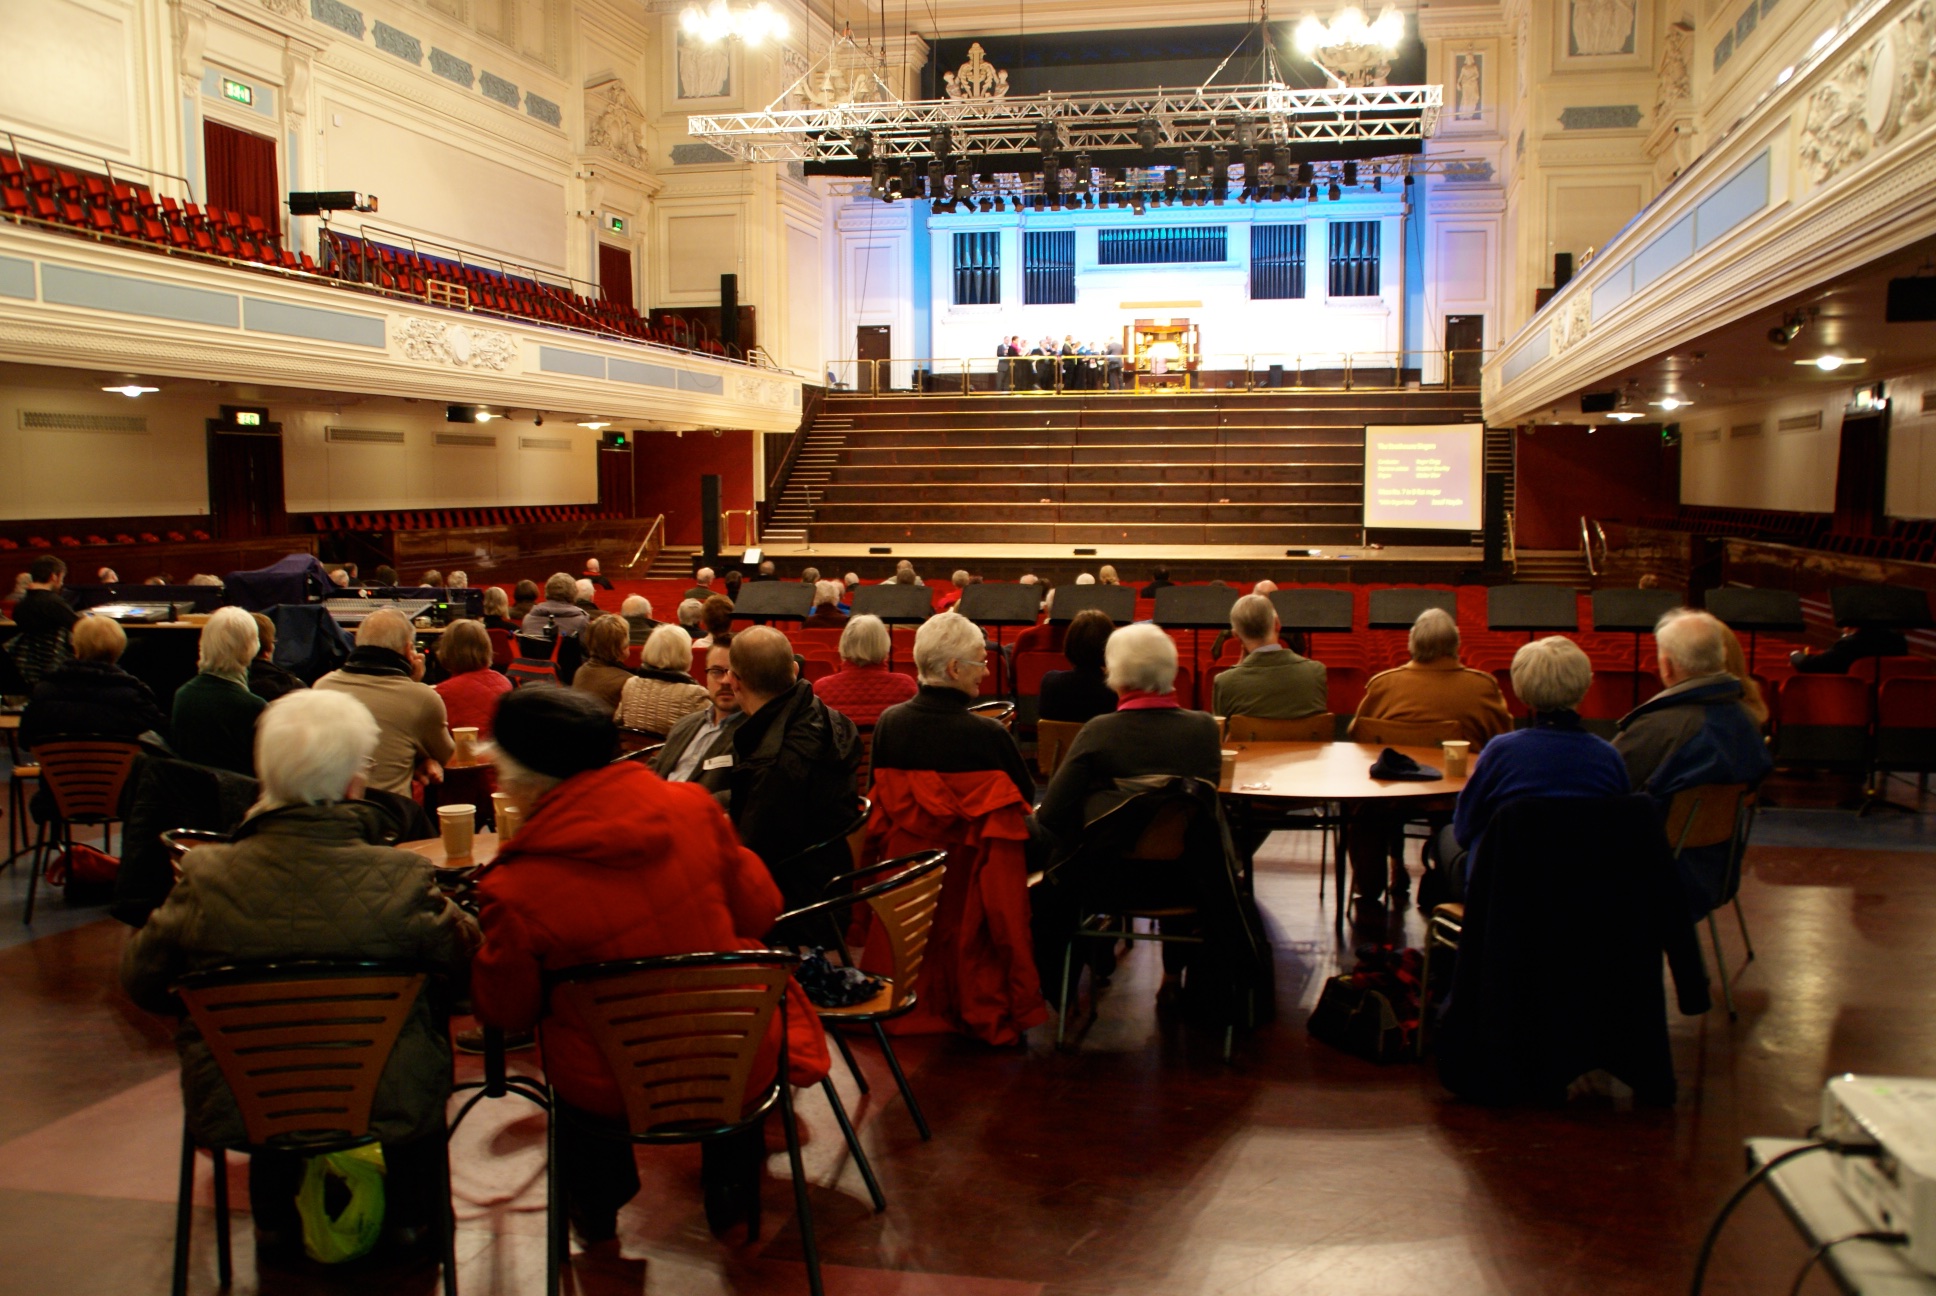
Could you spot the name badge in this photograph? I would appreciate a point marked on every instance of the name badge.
(716, 762)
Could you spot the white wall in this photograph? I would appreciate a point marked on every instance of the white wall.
(335, 476)
(64, 472)
(1728, 463)
(1912, 446)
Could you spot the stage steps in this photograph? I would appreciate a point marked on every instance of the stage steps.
(1259, 468)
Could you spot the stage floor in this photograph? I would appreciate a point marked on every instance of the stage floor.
(917, 550)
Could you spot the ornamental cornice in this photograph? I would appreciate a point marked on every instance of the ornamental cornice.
(423, 90)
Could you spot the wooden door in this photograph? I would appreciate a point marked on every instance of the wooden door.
(615, 274)
(1465, 339)
(245, 498)
(1861, 474)
(872, 342)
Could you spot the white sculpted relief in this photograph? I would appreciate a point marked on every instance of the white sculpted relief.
(1675, 86)
(614, 123)
(1877, 95)
(457, 345)
(1468, 86)
(705, 71)
(1571, 328)
(977, 78)
(1602, 27)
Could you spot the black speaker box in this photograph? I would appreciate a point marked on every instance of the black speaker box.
(1495, 521)
(1562, 269)
(1911, 301)
(709, 513)
(1599, 402)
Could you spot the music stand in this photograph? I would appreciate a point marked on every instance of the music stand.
(1396, 609)
(1000, 606)
(1312, 611)
(1117, 601)
(773, 601)
(894, 604)
(1194, 608)
(1755, 610)
(1879, 607)
(1635, 612)
(1532, 608)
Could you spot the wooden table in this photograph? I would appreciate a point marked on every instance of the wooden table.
(483, 849)
(1333, 774)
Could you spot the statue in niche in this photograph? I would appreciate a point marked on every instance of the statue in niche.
(976, 79)
(1468, 85)
(705, 71)
(1602, 27)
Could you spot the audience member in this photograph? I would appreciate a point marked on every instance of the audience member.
(432, 579)
(458, 580)
(1698, 730)
(951, 598)
(267, 680)
(161, 578)
(715, 617)
(614, 863)
(863, 687)
(809, 575)
(43, 619)
(1750, 688)
(472, 690)
(699, 747)
(525, 597)
(207, 580)
(1082, 692)
(852, 582)
(214, 715)
(89, 696)
(934, 730)
(688, 613)
(1435, 688)
(1085, 578)
(384, 673)
(904, 574)
(1270, 682)
(732, 581)
(386, 577)
(794, 763)
(1554, 757)
(308, 876)
(497, 611)
(1159, 580)
(107, 576)
(662, 690)
(338, 576)
(584, 593)
(1106, 575)
(766, 572)
(604, 673)
(826, 612)
(702, 588)
(637, 611)
(595, 573)
(559, 615)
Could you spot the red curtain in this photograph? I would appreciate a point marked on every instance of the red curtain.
(615, 274)
(241, 172)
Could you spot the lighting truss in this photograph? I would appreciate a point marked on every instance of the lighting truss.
(847, 139)
(1007, 185)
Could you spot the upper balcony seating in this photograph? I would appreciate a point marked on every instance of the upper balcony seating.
(440, 519)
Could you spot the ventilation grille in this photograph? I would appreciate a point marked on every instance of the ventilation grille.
(48, 421)
(1706, 434)
(1809, 422)
(478, 439)
(544, 443)
(1929, 401)
(1743, 430)
(365, 436)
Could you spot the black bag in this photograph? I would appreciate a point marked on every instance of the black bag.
(1372, 1011)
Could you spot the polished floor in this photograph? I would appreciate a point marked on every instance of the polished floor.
(1138, 1163)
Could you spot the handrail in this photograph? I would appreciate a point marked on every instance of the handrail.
(1586, 547)
(658, 525)
(752, 517)
(1208, 372)
(107, 164)
(1605, 550)
(1512, 539)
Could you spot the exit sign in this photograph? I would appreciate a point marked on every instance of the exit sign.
(239, 91)
(615, 224)
(248, 418)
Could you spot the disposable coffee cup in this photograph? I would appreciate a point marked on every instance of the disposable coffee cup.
(455, 822)
(509, 817)
(1226, 770)
(466, 739)
(1456, 755)
(500, 808)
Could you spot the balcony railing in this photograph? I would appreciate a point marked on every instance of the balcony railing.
(1035, 375)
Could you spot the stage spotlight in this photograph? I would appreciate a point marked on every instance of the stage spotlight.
(1377, 183)
(1281, 164)
(1047, 138)
(1311, 194)
(1305, 173)
(1351, 174)
(941, 142)
(907, 179)
(863, 142)
(877, 186)
(987, 205)
(1136, 202)
(1193, 165)
(1149, 133)
(1085, 172)
(1334, 193)
(1246, 133)
(1408, 179)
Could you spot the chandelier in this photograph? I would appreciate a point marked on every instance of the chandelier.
(720, 21)
(1350, 50)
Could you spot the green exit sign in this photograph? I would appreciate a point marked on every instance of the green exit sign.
(616, 224)
(239, 91)
(248, 418)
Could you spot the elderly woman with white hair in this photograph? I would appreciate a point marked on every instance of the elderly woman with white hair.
(826, 612)
(308, 875)
(933, 730)
(1554, 757)
(864, 687)
(662, 690)
(214, 714)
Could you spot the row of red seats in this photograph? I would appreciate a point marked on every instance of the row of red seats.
(440, 519)
(87, 541)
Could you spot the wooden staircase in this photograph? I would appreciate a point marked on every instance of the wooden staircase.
(1251, 468)
(1552, 567)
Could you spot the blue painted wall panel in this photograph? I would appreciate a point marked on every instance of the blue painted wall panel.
(67, 286)
(260, 316)
(645, 375)
(1612, 291)
(16, 278)
(559, 360)
(1665, 252)
(1744, 194)
(701, 382)
(1536, 349)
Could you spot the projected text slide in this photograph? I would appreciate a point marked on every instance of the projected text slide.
(1425, 477)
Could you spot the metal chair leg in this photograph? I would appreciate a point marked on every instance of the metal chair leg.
(184, 1211)
(847, 1055)
(554, 1208)
(448, 1211)
(34, 867)
(1062, 1004)
(907, 1093)
(808, 1243)
(1742, 919)
(853, 1144)
(1721, 966)
(224, 1258)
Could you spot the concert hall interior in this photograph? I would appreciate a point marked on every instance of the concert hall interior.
(1558, 371)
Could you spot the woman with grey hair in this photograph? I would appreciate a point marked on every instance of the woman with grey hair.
(662, 691)
(933, 730)
(1555, 757)
(826, 612)
(213, 721)
(309, 875)
(863, 687)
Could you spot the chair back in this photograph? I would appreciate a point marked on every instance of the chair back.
(1167, 834)
(86, 776)
(302, 1044)
(904, 906)
(1315, 728)
(1053, 738)
(1344, 688)
(1002, 713)
(1838, 701)
(680, 1033)
(179, 841)
(1399, 733)
(631, 740)
(1708, 815)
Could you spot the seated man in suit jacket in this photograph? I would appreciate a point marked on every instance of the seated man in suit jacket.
(699, 748)
(1271, 682)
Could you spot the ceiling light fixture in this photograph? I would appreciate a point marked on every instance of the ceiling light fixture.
(131, 389)
(1671, 403)
(1624, 416)
(482, 415)
(1349, 49)
(594, 424)
(1831, 362)
(720, 21)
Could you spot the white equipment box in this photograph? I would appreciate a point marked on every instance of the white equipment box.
(1896, 1188)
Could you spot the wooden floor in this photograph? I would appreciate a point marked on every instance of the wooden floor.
(1139, 1163)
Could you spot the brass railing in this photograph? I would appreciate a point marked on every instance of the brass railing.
(1210, 373)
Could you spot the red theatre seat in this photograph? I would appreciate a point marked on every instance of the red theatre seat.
(1824, 722)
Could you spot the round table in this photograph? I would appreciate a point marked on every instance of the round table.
(1333, 773)
(483, 850)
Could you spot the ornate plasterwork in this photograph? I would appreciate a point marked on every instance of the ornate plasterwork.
(751, 389)
(1575, 321)
(1879, 93)
(458, 345)
(1676, 60)
(614, 123)
(977, 78)
(284, 8)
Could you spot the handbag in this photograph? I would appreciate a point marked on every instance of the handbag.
(1372, 1011)
(83, 865)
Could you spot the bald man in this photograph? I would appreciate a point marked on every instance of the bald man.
(384, 673)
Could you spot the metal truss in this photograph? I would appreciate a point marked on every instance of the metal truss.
(1356, 117)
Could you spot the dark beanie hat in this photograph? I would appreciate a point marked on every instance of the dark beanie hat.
(557, 732)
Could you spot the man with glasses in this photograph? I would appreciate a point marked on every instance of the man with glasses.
(699, 748)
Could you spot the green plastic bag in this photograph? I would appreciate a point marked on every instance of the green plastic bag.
(355, 1232)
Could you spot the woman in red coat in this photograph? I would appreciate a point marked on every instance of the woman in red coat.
(615, 863)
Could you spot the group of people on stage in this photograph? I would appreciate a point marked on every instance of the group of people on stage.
(1086, 366)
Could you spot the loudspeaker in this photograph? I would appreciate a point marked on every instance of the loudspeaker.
(1911, 301)
(1495, 521)
(709, 513)
(1599, 402)
(1562, 269)
(729, 310)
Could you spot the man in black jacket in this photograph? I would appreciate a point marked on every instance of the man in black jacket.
(44, 618)
(794, 765)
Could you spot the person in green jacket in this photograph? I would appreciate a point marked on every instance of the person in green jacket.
(214, 714)
(1271, 682)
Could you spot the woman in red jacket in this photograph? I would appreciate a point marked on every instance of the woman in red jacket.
(863, 687)
(615, 863)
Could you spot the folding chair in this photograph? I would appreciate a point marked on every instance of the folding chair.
(85, 776)
(1716, 814)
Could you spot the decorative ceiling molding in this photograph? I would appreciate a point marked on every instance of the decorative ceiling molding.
(430, 93)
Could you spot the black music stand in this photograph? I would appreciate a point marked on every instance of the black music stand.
(1396, 609)
(894, 604)
(1313, 611)
(1000, 606)
(1635, 612)
(1532, 608)
(1879, 607)
(1755, 610)
(1117, 601)
(1195, 608)
(765, 601)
